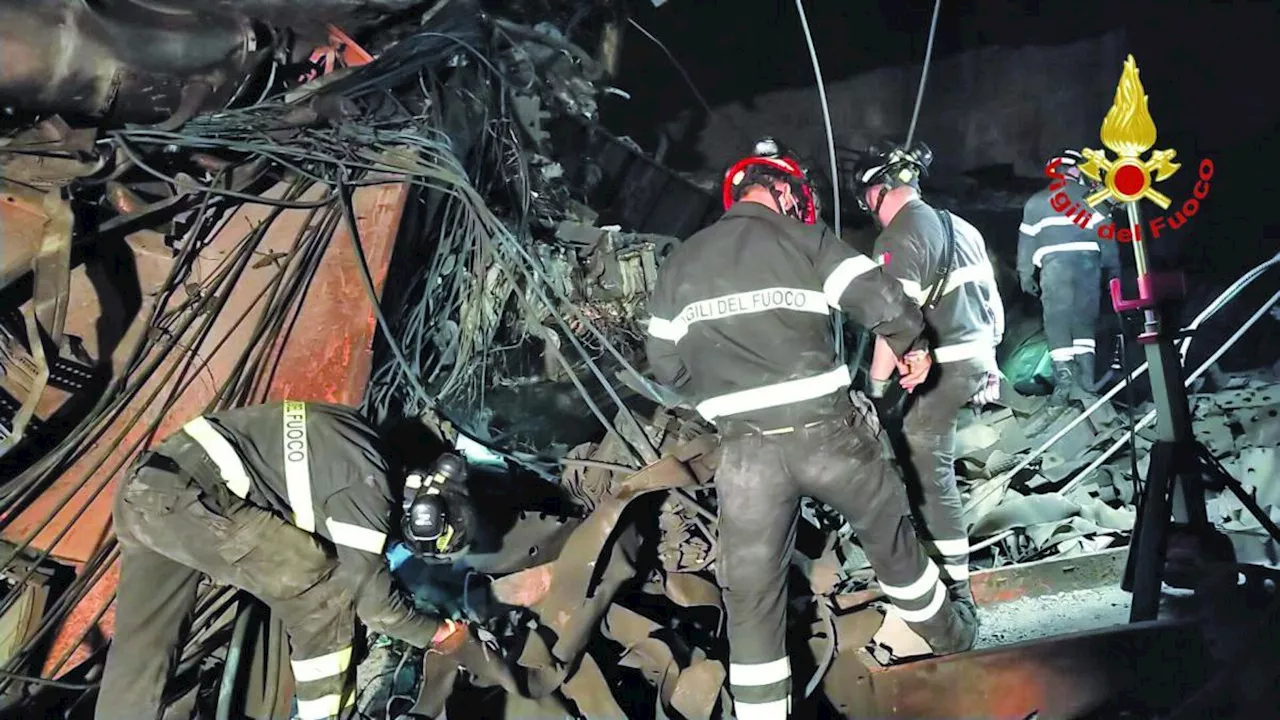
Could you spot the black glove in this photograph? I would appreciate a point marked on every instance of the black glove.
(1029, 284)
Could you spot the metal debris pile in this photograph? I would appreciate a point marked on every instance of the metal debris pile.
(509, 327)
(512, 308)
(1063, 505)
(615, 612)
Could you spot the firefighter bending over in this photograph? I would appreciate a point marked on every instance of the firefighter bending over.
(292, 502)
(741, 324)
(1071, 259)
(941, 262)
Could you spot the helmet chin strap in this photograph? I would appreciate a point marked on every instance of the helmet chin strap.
(794, 212)
(875, 211)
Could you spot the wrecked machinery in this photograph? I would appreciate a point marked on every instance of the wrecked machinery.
(211, 206)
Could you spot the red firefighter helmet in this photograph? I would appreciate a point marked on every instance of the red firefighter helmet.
(766, 165)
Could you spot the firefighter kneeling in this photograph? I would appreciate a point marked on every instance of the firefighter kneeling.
(292, 502)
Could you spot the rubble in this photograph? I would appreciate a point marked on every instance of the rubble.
(510, 327)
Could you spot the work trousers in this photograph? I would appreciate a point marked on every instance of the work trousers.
(1069, 293)
(171, 530)
(846, 464)
(929, 454)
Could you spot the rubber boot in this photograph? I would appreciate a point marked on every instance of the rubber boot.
(1085, 363)
(962, 595)
(1063, 380)
(954, 629)
(1063, 389)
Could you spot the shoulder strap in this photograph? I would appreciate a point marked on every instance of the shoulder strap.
(948, 259)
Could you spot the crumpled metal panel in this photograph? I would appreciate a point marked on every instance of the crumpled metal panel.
(594, 563)
(644, 652)
(1255, 468)
(588, 690)
(1259, 427)
(695, 696)
(1215, 433)
(535, 538)
(1249, 397)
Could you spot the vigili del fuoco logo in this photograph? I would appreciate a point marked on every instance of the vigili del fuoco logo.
(1129, 131)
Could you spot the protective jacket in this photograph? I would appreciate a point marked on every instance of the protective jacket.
(741, 323)
(968, 319)
(320, 466)
(1064, 249)
(1049, 234)
(741, 317)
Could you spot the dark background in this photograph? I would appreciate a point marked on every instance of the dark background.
(1209, 69)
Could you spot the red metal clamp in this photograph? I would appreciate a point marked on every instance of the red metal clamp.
(1153, 288)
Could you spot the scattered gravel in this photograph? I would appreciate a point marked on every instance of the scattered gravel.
(1050, 615)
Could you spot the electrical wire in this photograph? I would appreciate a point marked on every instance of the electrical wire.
(924, 72)
(60, 684)
(88, 577)
(374, 145)
(826, 115)
(676, 64)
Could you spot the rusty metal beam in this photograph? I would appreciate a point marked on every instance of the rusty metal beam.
(327, 358)
(1146, 665)
(1048, 577)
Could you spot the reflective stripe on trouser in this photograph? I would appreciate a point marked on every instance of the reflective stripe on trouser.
(170, 534)
(759, 482)
(1070, 293)
(929, 430)
(323, 685)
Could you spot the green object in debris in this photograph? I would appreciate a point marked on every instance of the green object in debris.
(1029, 360)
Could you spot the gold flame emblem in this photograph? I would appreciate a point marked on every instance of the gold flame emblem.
(1129, 131)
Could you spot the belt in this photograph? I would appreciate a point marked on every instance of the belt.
(189, 469)
(163, 463)
(740, 429)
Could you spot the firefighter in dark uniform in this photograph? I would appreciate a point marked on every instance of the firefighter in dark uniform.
(741, 326)
(1058, 239)
(941, 263)
(292, 502)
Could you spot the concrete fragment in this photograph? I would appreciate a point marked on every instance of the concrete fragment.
(1049, 615)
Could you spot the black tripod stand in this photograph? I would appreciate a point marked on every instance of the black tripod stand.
(1173, 499)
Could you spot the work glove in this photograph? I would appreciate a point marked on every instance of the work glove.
(1029, 284)
(989, 392)
(449, 637)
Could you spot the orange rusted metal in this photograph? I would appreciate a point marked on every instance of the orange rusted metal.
(1144, 664)
(22, 219)
(1048, 577)
(327, 357)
